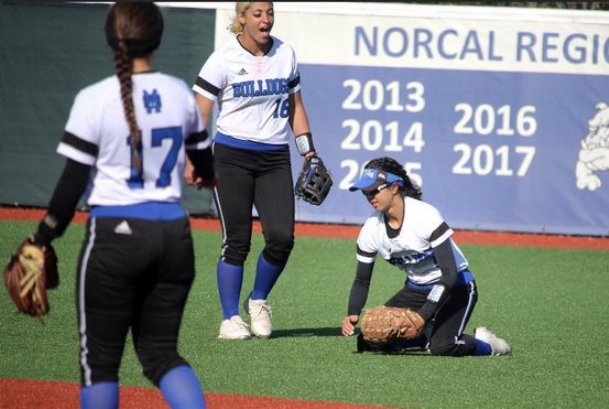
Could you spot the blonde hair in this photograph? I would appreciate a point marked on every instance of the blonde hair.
(240, 8)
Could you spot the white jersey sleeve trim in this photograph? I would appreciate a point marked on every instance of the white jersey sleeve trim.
(199, 146)
(364, 259)
(442, 238)
(75, 154)
(204, 93)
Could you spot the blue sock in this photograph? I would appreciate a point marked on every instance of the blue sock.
(482, 348)
(230, 278)
(102, 395)
(266, 277)
(181, 389)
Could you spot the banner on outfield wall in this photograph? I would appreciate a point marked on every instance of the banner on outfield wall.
(500, 114)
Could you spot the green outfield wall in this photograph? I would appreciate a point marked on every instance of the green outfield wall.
(48, 53)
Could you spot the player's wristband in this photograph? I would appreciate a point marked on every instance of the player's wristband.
(436, 293)
(304, 143)
(49, 229)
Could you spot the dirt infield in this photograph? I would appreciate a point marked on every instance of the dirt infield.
(16, 394)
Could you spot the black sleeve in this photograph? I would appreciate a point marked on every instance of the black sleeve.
(70, 187)
(440, 292)
(360, 288)
(203, 161)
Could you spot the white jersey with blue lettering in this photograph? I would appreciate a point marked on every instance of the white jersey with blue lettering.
(97, 134)
(252, 92)
(423, 228)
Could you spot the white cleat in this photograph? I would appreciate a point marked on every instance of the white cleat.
(234, 328)
(260, 317)
(499, 346)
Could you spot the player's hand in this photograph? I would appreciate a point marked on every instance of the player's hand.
(348, 327)
(190, 176)
(192, 179)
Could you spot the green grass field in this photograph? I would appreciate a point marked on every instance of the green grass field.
(551, 305)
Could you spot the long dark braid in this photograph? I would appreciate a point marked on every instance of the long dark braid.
(133, 30)
(390, 165)
(123, 65)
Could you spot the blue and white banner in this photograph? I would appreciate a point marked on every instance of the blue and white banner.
(501, 114)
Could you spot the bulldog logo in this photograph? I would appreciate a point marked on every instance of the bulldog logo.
(594, 154)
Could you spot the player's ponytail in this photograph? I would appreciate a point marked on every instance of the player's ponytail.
(390, 165)
(123, 67)
(133, 30)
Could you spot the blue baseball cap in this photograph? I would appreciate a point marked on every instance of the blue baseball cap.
(373, 178)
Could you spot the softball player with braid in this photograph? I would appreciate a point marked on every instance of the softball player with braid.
(412, 236)
(128, 133)
(255, 80)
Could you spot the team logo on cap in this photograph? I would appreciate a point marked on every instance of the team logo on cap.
(373, 174)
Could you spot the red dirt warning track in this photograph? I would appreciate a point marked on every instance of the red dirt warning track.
(351, 232)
